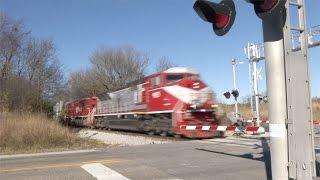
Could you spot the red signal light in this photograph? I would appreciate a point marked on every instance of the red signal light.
(221, 15)
(267, 5)
(221, 21)
(265, 8)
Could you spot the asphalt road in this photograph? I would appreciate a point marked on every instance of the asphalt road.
(231, 158)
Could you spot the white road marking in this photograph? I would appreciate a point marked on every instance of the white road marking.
(102, 172)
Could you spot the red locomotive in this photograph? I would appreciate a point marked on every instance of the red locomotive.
(174, 102)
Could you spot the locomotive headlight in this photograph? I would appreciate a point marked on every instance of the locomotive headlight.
(204, 97)
(194, 106)
(193, 98)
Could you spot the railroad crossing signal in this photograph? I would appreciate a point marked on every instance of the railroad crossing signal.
(227, 95)
(265, 8)
(234, 93)
(288, 82)
(221, 15)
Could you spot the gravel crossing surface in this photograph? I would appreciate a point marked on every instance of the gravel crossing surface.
(123, 138)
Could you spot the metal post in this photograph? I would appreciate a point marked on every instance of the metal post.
(251, 85)
(234, 63)
(256, 93)
(276, 80)
(248, 52)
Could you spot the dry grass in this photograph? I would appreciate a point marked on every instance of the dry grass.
(35, 133)
(245, 110)
(316, 110)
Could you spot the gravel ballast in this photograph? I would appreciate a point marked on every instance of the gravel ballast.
(121, 139)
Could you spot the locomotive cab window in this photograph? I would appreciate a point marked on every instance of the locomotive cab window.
(174, 77)
(193, 76)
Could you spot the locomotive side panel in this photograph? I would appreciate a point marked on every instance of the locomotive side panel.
(160, 100)
(122, 101)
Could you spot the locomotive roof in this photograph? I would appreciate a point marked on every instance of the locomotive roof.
(181, 70)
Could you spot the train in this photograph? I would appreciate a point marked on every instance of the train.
(175, 102)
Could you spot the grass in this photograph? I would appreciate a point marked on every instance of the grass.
(316, 110)
(20, 133)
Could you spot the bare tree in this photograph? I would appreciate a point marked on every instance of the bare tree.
(163, 64)
(12, 36)
(42, 67)
(115, 68)
(111, 69)
(84, 83)
(30, 72)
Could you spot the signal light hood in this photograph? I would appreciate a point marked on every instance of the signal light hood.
(267, 8)
(221, 15)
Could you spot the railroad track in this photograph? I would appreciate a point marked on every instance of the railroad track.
(130, 133)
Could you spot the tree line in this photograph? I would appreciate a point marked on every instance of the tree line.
(32, 77)
(30, 73)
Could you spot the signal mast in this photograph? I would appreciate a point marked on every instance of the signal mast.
(254, 54)
(287, 77)
(234, 92)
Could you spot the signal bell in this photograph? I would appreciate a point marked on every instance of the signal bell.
(221, 15)
(267, 8)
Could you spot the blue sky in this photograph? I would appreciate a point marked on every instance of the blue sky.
(159, 28)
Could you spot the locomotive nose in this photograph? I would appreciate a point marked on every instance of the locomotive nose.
(195, 101)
